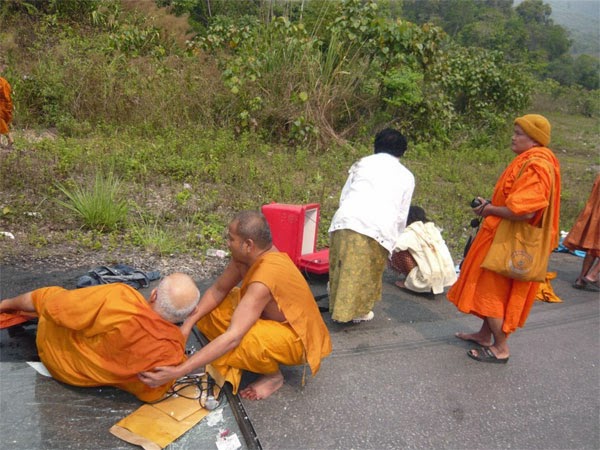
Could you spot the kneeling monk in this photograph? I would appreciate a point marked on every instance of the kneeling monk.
(104, 335)
(271, 319)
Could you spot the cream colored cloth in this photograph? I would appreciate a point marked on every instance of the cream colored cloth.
(435, 268)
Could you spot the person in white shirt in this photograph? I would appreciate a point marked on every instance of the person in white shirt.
(372, 213)
(421, 254)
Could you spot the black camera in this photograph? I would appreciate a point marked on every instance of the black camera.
(475, 203)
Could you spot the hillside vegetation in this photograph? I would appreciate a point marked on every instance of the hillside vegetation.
(135, 135)
(581, 18)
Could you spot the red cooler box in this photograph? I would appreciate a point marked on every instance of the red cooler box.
(294, 229)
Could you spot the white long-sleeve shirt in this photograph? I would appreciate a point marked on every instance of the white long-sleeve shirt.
(375, 199)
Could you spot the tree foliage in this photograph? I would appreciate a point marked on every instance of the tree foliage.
(525, 34)
(357, 66)
(304, 72)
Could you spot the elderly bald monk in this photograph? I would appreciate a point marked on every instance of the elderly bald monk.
(272, 319)
(523, 192)
(104, 335)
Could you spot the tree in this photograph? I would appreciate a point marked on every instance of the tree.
(562, 70)
(535, 12)
(586, 69)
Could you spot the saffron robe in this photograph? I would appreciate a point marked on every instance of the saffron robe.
(302, 338)
(485, 293)
(585, 234)
(6, 106)
(104, 336)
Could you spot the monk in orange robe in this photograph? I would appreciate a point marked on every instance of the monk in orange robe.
(104, 335)
(585, 236)
(271, 319)
(6, 109)
(523, 192)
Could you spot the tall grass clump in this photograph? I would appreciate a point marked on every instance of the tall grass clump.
(98, 206)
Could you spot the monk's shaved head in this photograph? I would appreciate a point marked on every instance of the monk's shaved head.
(253, 225)
(177, 296)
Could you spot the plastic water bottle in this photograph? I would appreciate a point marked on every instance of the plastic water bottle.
(216, 252)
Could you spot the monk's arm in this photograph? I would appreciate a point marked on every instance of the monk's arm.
(244, 317)
(487, 209)
(213, 296)
(23, 302)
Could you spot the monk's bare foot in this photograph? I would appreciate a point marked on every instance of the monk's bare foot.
(400, 284)
(263, 387)
(475, 337)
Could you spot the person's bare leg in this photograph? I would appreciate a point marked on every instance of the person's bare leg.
(591, 276)
(10, 139)
(482, 337)
(500, 346)
(263, 387)
(23, 302)
(588, 261)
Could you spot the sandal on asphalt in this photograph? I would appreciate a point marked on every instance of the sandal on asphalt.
(586, 285)
(485, 354)
(591, 283)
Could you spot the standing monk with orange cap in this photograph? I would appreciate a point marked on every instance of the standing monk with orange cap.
(523, 192)
(6, 108)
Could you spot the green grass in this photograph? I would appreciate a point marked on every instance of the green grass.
(155, 239)
(187, 183)
(97, 205)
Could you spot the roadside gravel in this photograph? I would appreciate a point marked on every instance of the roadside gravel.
(66, 256)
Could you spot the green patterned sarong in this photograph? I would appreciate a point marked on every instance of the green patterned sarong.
(356, 265)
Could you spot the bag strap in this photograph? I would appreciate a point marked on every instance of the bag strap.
(547, 214)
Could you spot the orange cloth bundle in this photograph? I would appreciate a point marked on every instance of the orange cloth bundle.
(545, 293)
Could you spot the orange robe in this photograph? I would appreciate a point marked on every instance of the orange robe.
(487, 294)
(103, 336)
(302, 338)
(585, 234)
(6, 106)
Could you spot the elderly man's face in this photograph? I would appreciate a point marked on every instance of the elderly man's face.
(521, 141)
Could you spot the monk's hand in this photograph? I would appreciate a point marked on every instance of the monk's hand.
(481, 209)
(159, 376)
(194, 317)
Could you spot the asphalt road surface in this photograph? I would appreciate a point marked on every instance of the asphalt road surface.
(401, 381)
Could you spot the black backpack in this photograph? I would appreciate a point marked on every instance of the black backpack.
(120, 273)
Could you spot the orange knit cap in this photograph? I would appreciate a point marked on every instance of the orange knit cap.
(536, 127)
